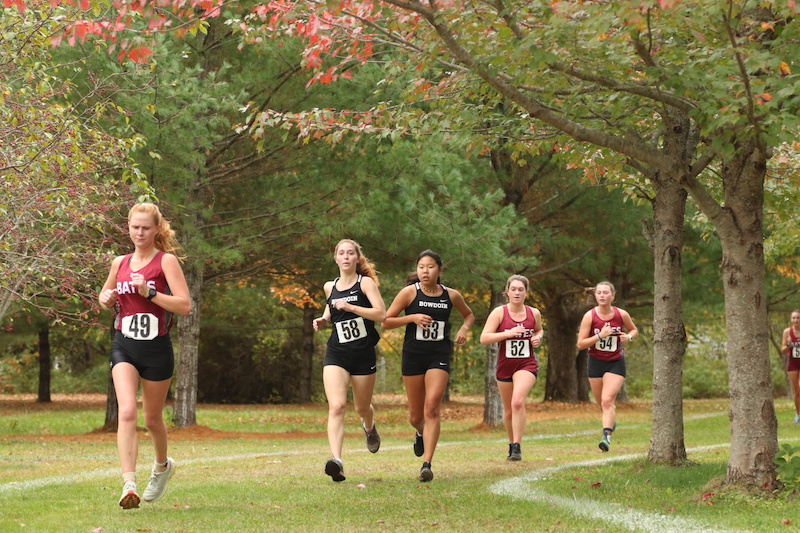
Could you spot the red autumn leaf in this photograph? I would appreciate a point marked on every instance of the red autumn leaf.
(766, 97)
(19, 4)
(577, 479)
(140, 54)
(708, 495)
(596, 485)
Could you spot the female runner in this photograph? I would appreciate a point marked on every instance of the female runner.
(426, 349)
(791, 347)
(354, 304)
(605, 330)
(518, 329)
(147, 287)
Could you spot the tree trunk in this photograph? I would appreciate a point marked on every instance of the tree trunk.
(306, 355)
(492, 403)
(739, 224)
(582, 375)
(754, 427)
(669, 335)
(188, 340)
(45, 362)
(563, 320)
(112, 408)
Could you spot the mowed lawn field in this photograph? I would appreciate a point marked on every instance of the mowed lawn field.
(260, 468)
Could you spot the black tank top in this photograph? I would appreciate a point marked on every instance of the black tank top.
(351, 332)
(435, 339)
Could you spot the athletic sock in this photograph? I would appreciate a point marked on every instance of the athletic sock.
(608, 431)
(160, 467)
(128, 476)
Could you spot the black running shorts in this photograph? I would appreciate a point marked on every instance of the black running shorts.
(596, 368)
(357, 363)
(155, 359)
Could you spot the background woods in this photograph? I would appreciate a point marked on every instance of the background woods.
(565, 141)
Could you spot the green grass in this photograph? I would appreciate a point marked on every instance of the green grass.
(55, 477)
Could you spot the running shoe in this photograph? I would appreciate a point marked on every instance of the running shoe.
(373, 439)
(796, 419)
(605, 444)
(129, 499)
(335, 469)
(514, 452)
(425, 473)
(419, 445)
(157, 484)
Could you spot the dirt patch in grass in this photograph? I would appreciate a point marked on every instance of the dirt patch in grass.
(467, 408)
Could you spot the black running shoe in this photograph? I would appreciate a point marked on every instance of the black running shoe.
(335, 469)
(425, 473)
(419, 445)
(373, 439)
(515, 452)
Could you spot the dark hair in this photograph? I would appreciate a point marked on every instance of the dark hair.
(433, 255)
(411, 278)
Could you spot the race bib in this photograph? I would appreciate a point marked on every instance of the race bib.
(140, 327)
(351, 330)
(434, 332)
(795, 352)
(609, 344)
(518, 348)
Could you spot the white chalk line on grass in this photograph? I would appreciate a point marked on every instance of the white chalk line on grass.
(521, 488)
(19, 486)
(516, 488)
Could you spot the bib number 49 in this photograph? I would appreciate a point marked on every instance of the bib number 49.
(140, 327)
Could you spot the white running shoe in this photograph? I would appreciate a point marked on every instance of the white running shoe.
(129, 499)
(796, 419)
(157, 484)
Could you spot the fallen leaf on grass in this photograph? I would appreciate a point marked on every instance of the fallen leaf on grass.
(577, 479)
(596, 485)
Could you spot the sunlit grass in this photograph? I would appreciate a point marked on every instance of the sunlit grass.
(270, 478)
